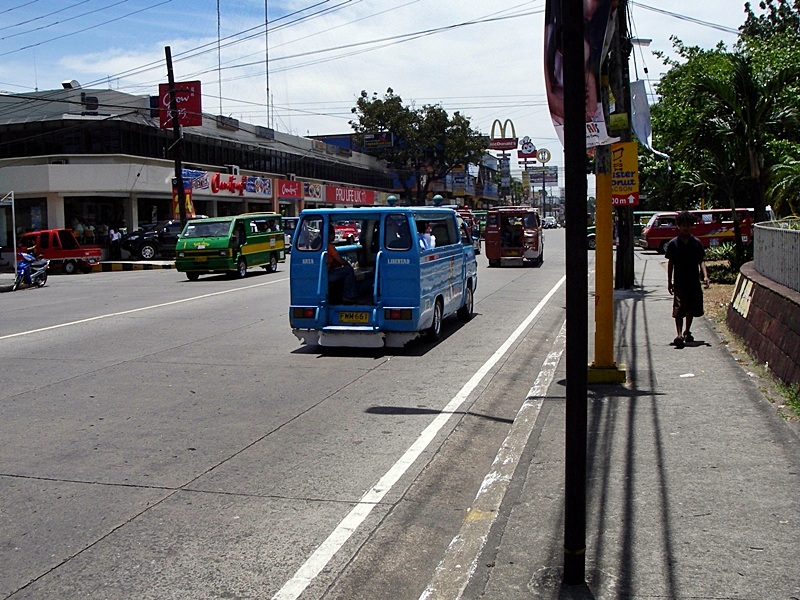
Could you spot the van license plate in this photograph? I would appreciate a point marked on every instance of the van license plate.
(354, 317)
(200, 259)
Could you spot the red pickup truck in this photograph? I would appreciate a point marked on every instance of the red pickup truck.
(62, 248)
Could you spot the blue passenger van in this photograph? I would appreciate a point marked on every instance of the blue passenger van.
(412, 267)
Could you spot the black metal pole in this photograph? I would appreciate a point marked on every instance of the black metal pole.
(577, 289)
(177, 145)
(622, 46)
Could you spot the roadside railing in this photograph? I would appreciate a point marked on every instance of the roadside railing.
(776, 251)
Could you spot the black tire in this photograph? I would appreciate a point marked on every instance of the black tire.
(434, 332)
(273, 264)
(17, 281)
(148, 251)
(241, 268)
(494, 262)
(465, 312)
(41, 280)
(69, 267)
(192, 276)
(591, 243)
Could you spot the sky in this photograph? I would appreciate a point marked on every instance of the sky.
(483, 59)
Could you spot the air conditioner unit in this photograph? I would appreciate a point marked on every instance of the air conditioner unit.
(232, 169)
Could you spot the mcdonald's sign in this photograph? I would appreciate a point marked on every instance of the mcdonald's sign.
(503, 142)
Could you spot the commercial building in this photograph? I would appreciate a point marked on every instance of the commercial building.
(101, 159)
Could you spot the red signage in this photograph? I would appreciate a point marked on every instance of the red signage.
(233, 184)
(503, 144)
(187, 101)
(290, 189)
(345, 195)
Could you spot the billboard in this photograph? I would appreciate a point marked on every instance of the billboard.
(625, 174)
(550, 174)
(187, 101)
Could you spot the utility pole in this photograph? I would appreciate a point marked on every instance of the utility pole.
(577, 290)
(177, 145)
(622, 91)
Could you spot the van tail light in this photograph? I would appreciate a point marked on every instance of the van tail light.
(304, 312)
(397, 314)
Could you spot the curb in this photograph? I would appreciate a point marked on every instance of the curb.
(108, 267)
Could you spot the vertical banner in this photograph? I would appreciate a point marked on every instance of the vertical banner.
(176, 206)
(625, 174)
(598, 19)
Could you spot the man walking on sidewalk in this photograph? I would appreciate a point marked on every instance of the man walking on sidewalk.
(686, 257)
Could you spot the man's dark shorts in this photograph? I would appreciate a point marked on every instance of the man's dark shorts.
(687, 302)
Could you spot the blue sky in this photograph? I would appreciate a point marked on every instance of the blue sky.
(322, 53)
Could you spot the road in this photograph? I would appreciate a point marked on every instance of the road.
(171, 439)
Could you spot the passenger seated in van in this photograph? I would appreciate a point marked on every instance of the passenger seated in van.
(340, 270)
(426, 240)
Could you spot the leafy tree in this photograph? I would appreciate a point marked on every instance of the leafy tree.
(728, 119)
(427, 143)
(749, 113)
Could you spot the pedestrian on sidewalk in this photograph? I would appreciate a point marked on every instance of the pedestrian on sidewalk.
(686, 266)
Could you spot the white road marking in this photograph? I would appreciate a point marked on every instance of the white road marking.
(461, 558)
(325, 552)
(135, 310)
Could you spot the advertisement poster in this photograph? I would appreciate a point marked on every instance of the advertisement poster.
(597, 15)
(625, 174)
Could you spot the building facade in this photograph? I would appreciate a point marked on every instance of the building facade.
(99, 158)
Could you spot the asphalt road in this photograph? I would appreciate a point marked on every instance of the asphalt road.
(171, 439)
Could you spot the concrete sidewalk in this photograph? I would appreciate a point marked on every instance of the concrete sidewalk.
(693, 481)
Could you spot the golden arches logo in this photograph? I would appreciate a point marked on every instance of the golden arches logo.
(503, 142)
(502, 126)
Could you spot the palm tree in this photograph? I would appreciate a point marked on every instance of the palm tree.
(751, 108)
(784, 192)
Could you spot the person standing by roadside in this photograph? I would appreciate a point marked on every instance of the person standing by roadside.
(687, 263)
(115, 244)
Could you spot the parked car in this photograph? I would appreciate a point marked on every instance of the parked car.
(156, 240)
(62, 249)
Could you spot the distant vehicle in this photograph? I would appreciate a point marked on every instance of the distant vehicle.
(550, 223)
(230, 245)
(62, 249)
(514, 237)
(347, 231)
(403, 290)
(640, 219)
(712, 227)
(156, 240)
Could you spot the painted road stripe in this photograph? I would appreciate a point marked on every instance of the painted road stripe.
(325, 552)
(135, 310)
(461, 558)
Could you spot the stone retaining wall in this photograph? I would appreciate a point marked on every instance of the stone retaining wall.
(766, 316)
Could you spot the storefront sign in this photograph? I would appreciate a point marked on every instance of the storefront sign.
(290, 189)
(344, 195)
(312, 191)
(187, 101)
(233, 184)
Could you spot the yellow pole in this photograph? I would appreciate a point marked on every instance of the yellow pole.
(603, 369)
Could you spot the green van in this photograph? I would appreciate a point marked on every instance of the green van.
(230, 245)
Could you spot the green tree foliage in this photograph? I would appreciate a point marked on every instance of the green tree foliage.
(427, 143)
(729, 119)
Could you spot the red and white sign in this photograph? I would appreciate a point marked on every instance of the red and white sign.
(230, 183)
(345, 195)
(290, 189)
(187, 101)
